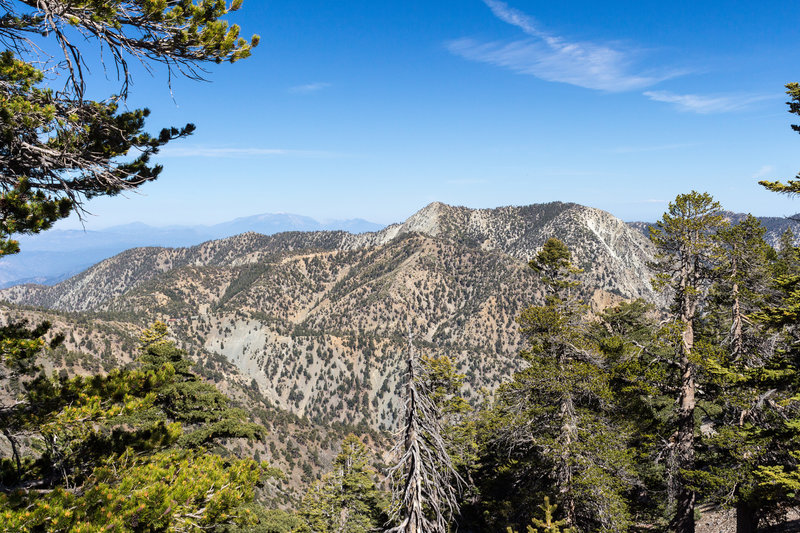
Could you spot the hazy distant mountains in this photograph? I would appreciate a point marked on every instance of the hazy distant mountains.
(56, 255)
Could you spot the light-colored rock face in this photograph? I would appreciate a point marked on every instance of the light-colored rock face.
(613, 254)
(318, 319)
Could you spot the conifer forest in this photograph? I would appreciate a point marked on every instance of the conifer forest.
(504, 370)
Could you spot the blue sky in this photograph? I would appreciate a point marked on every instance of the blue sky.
(374, 109)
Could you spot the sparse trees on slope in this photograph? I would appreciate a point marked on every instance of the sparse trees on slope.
(684, 240)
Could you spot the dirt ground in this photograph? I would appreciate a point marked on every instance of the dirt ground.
(724, 521)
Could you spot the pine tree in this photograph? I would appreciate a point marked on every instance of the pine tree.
(548, 525)
(639, 357)
(20, 348)
(552, 422)
(457, 424)
(205, 414)
(736, 349)
(58, 148)
(102, 450)
(777, 468)
(346, 500)
(684, 240)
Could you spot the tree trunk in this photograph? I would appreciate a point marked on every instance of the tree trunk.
(684, 438)
(568, 428)
(737, 341)
(746, 518)
(567, 437)
(14, 451)
(684, 450)
(414, 482)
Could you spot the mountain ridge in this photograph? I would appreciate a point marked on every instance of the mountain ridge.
(318, 320)
(55, 255)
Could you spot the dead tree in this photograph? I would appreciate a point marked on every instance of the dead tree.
(426, 485)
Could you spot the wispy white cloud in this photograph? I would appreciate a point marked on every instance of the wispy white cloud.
(653, 148)
(238, 153)
(552, 58)
(309, 88)
(706, 104)
(763, 172)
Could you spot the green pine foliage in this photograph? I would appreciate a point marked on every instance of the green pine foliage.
(111, 451)
(205, 414)
(686, 255)
(458, 424)
(552, 427)
(170, 490)
(346, 500)
(59, 148)
(548, 525)
(639, 355)
(737, 355)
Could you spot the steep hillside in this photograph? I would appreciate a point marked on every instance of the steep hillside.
(56, 255)
(318, 320)
(613, 256)
(301, 449)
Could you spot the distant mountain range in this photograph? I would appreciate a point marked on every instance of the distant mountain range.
(316, 320)
(56, 255)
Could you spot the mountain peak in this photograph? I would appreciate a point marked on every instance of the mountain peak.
(428, 220)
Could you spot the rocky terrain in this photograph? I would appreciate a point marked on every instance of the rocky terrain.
(307, 330)
(302, 449)
(55, 255)
(317, 321)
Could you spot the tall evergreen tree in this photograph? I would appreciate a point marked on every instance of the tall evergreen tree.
(346, 500)
(736, 350)
(552, 423)
(685, 259)
(639, 357)
(778, 470)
